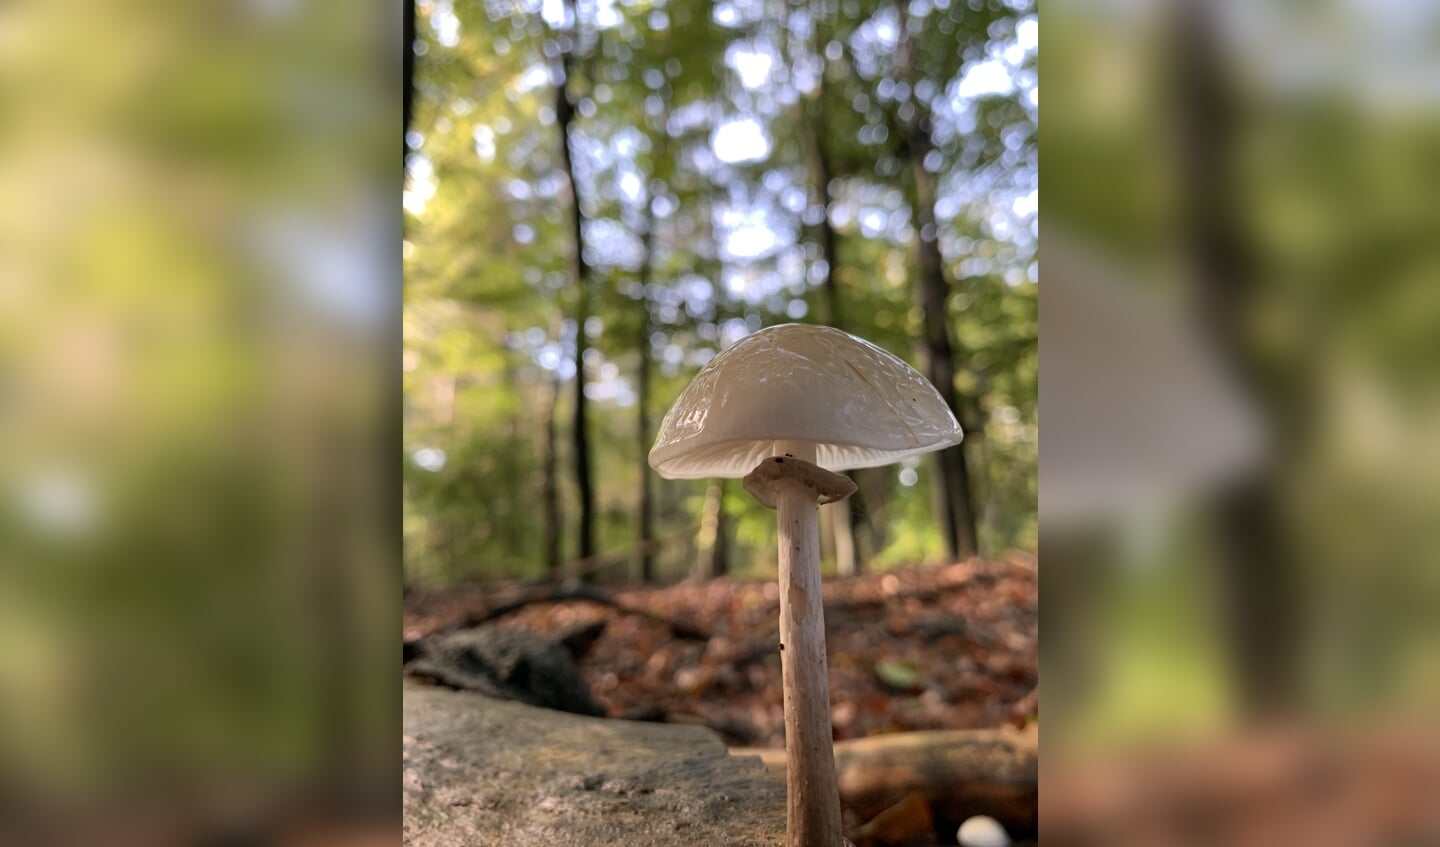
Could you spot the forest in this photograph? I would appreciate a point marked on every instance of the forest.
(600, 196)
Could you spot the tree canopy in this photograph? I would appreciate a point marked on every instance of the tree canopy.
(734, 165)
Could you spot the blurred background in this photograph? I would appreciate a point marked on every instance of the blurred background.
(1242, 437)
(199, 309)
(600, 197)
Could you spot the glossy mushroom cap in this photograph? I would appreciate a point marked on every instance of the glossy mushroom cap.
(859, 405)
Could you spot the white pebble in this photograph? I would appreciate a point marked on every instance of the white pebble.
(982, 831)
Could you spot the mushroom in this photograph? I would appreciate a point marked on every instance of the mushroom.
(982, 831)
(786, 408)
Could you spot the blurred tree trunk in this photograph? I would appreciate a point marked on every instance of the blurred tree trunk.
(644, 527)
(709, 550)
(826, 524)
(407, 72)
(511, 461)
(550, 484)
(812, 114)
(847, 559)
(931, 293)
(710, 544)
(874, 487)
(1261, 589)
(812, 117)
(580, 431)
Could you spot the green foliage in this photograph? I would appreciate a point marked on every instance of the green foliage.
(735, 246)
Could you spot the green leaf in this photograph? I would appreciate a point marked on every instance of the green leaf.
(900, 675)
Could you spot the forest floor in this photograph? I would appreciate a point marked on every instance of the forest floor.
(953, 647)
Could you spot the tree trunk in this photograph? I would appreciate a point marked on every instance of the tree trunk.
(931, 293)
(874, 487)
(550, 486)
(847, 558)
(407, 72)
(1263, 608)
(710, 546)
(565, 117)
(644, 527)
(812, 115)
(820, 174)
(709, 542)
(951, 464)
(827, 534)
(514, 530)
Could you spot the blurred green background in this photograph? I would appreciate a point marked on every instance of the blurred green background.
(1241, 468)
(734, 165)
(1249, 189)
(199, 306)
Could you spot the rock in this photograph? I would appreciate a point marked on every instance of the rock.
(982, 831)
(480, 771)
(514, 664)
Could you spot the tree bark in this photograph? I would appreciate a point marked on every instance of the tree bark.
(710, 552)
(1264, 614)
(820, 175)
(847, 558)
(644, 526)
(580, 434)
(407, 72)
(931, 293)
(550, 487)
(511, 462)
(812, 116)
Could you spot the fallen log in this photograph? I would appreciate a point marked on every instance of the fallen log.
(959, 773)
(903, 823)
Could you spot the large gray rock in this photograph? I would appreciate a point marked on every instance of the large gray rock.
(480, 772)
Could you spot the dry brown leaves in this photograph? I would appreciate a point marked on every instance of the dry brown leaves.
(952, 647)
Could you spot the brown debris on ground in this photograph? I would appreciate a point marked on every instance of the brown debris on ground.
(953, 647)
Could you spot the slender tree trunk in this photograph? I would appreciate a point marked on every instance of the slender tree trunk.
(812, 116)
(820, 176)
(841, 521)
(644, 527)
(931, 292)
(580, 433)
(710, 543)
(720, 550)
(827, 522)
(407, 72)
(847, 558)
(550, 483)
(940, 364)
(875, 485)
(1264, 613)
(514, 537)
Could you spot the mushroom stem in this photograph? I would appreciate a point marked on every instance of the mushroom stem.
(813, 795)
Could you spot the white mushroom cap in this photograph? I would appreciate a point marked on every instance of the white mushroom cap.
(859, 405)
